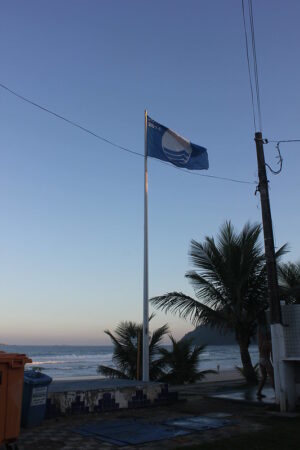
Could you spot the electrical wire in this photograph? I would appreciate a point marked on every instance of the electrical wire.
(284, 140)
(108, 141)
(280, 161)
(279, 156)
(248, 64)
(255, 62)
(207, 176)
(74, 124)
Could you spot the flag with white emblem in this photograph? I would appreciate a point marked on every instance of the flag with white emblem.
(165, 144)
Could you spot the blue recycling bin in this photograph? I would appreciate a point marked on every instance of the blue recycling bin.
(35, 393)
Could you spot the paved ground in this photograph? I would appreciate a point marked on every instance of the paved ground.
(57, 434)
(247, 394)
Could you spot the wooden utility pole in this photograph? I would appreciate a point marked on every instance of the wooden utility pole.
(263, 188)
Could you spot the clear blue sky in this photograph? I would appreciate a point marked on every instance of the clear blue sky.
(71, 240)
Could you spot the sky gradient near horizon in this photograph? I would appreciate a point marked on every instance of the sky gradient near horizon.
(72, 207)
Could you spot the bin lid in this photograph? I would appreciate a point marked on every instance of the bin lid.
(14, 359)
(36, 378)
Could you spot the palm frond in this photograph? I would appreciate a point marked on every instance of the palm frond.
(230, 282)
(289, 281)
(283, 250)
(177, 302)
(156, 338)
(255, 368)
(110, 372)
(125, 351)
(205, 290)
(181, 362)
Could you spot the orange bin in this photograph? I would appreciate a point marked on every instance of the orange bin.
(11, 388)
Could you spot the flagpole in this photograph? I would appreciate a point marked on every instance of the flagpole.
(146, 293)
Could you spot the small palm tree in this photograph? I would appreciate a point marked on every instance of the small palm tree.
(289, 282)
(230, 284)
(182, 361)
(255, 367)
(125, 353)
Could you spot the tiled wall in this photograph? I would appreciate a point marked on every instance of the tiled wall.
(291, 322)
(66, 403)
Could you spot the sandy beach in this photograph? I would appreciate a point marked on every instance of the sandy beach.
(223, 375)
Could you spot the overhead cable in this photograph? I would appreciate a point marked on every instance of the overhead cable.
(108, 141)
(279, 156)
(248, 63)
(283, 140)
(252, 68)
(280, 161)
(255, 63)
(74, 124)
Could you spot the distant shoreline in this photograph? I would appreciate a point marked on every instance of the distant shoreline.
(223, 375)
(62, 361)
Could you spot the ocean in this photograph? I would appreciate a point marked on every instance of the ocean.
(68, 361)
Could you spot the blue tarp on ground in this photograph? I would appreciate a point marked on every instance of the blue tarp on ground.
(199, 423)
(133, 432)
(126, 432)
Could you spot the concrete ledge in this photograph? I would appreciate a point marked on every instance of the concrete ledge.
(95, 384)
(99, 395)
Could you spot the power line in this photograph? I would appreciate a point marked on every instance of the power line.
(108, 141)
(283, 140)
(279, 156)
(248, 64)
(74, 124)
(255, 62)
(207, 176)
(280, 161)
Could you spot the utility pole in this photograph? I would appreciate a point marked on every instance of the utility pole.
(263, 188)
(278, 341)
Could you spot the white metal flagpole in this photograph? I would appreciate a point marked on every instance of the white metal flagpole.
(146, 293)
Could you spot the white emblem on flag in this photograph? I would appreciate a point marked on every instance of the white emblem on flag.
(177, 149)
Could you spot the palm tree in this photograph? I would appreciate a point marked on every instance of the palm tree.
(289, 281)
(181, 362)
(125, 353)
(230, 285)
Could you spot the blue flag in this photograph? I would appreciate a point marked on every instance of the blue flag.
(167, 145)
